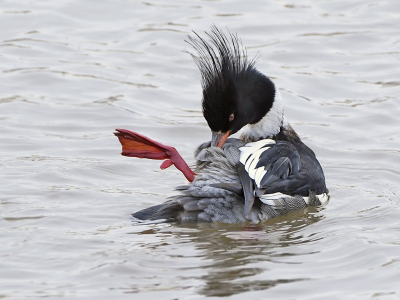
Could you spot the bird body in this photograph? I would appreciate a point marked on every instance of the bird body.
(216, 194)
(265, 173)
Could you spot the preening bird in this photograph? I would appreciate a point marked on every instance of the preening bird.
(265, 173)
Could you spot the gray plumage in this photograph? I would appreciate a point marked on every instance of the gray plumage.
(205, 201)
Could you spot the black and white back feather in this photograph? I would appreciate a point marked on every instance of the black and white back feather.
(277, 170)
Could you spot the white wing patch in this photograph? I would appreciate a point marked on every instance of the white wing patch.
(271, 198)
(250, 155)
(259, 175)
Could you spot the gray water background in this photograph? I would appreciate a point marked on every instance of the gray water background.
(73, 71)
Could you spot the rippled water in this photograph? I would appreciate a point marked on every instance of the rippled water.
(73, 71)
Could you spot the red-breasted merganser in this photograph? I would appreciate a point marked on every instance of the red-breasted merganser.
(265, 173)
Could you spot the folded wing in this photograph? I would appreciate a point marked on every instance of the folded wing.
(270, 163)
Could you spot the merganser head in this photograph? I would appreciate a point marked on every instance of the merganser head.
(235, 94)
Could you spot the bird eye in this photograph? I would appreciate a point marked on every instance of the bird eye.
(231, 117)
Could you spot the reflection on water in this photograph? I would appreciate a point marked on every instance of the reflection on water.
(236, 253)
(73, 71)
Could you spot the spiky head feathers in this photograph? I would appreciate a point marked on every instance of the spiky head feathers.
(232, 88)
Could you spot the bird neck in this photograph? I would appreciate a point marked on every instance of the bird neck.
(269, 126)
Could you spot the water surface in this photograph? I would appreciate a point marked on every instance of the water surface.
(73, 71)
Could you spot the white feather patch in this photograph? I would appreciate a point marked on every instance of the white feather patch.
(270, 198)
(250, 156)
(323, 198)
(268, 202)
(267, 198)
(259, 175)
(248, 163)
(256, 157)
(250, 148)
(270, 124)
(260, 143)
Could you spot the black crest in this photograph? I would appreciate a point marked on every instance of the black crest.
(222, 62)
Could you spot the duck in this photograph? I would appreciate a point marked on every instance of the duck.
(266, 172)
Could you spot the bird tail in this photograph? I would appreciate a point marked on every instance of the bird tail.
(166, 211)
